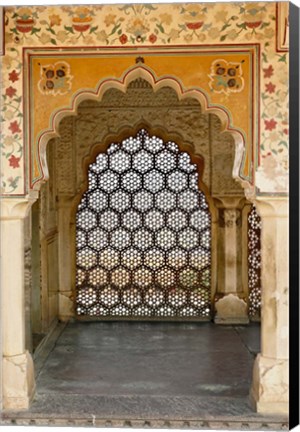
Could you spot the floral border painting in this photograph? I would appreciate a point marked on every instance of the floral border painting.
(148, 25)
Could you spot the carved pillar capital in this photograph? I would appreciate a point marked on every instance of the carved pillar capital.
(269, 207)
(229, 202)
(17, 208)
(229, 218)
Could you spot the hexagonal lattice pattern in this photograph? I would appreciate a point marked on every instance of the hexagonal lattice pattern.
(254, 263)
(143, 234)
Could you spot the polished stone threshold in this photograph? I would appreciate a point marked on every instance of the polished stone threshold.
(131, 374)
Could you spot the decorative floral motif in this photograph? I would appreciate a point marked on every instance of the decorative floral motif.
(193, 22)
(55, 79)
(82, 20)
(226, 77)
(14, 127)
(14, 161)
(54, 20)
(137, 25)
(268, 72)
(270, 88)
(194, 16)
(13, 76)
(10, 91)
(24, 20)
(123, 39)
(152, 38)
(270, 124)
(274, 113)
(11, 122)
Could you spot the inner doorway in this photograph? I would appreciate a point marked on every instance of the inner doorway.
(143, 234)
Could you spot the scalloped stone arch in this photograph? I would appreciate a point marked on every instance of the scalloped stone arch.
(121, 84)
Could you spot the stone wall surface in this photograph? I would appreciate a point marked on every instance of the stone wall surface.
(215, 24)
(44, 307)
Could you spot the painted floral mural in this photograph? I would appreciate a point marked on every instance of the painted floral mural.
(226, 77)
(55, 79)
(138, 25)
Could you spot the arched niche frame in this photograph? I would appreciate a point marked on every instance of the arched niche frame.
(146, 73)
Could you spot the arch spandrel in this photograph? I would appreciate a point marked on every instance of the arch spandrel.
(192, 82)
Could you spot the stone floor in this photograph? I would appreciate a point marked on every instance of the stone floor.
(147, 374)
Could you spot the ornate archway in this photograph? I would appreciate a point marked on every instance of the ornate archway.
(263, 70)
(156, 83)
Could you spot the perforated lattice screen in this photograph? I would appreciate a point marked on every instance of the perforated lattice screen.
(143, 234)
(254, 263)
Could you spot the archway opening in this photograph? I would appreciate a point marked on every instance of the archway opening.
(143, 234)
(94, 178)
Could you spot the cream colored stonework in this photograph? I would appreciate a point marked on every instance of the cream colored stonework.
(269, 391)
(231, 310)
(19, 382)
(270, 388)
(18, 373)
(66, 305)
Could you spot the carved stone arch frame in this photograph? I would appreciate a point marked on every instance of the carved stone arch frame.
(136, 72)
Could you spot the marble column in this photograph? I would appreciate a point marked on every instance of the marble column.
(18, 383)
(269, 391)
(230, 303)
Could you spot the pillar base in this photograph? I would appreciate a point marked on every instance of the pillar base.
(231, 310)
(18, 381)
(270, 386)
(66, 305)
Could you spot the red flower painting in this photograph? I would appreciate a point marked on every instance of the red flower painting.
(10, 91)
(13, 76)
(14, 127)
(268, 72)
(194, 25)
(270, 88)
(14, 161)
(123, 39)
(253, 25)
(152, 38)
(270, 124)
